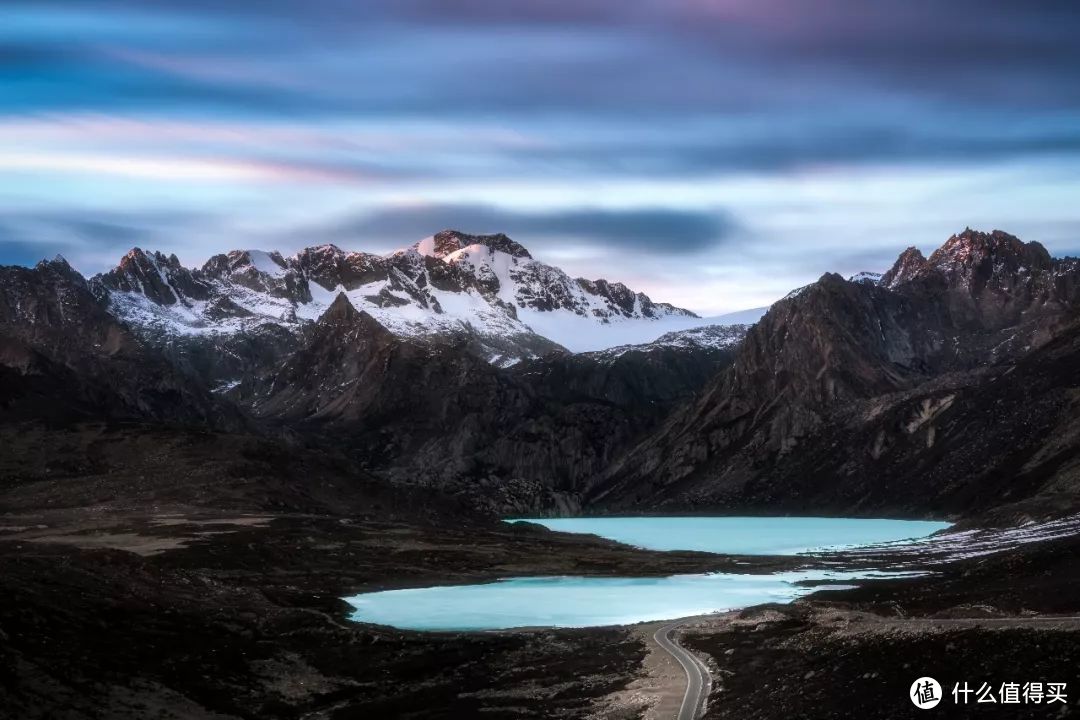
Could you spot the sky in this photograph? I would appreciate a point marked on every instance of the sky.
(712, 153)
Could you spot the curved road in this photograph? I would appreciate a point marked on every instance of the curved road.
(698, 678)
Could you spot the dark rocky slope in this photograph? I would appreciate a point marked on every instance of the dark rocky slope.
(524, 439)
(867, 398)
(64, 357)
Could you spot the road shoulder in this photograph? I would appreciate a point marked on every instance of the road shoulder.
(657, 692)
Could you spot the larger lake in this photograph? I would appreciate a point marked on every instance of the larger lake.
(744, 535)
(591, 601)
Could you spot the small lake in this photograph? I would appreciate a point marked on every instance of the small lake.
(591, 601)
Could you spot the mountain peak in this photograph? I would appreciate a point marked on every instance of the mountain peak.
(60, 266)
(910, 263)
(970, 259)
(58, 262)
(141, 263)
(323, 249)
(159, 277)
(343, 320)
(239, 262)
(971, 249)
(341, 310)
(448, 242)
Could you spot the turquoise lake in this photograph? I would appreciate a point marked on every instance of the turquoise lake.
(744, 535)
(590, 601)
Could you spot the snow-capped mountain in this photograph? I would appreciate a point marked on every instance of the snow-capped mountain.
(486, 291)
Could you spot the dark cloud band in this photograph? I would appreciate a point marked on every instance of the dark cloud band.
(643, 230)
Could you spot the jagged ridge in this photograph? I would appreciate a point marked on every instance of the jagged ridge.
(485, 290)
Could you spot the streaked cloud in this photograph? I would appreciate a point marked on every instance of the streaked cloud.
(172, 169)
(733, 146)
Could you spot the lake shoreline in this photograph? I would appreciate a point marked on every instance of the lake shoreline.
(811, 545)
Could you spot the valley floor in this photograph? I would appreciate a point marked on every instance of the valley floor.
(186, 614)
(193, 615)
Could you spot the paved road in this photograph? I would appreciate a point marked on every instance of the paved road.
(698, 678)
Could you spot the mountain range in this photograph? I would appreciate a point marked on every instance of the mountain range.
(462, 366)
(484, 291)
